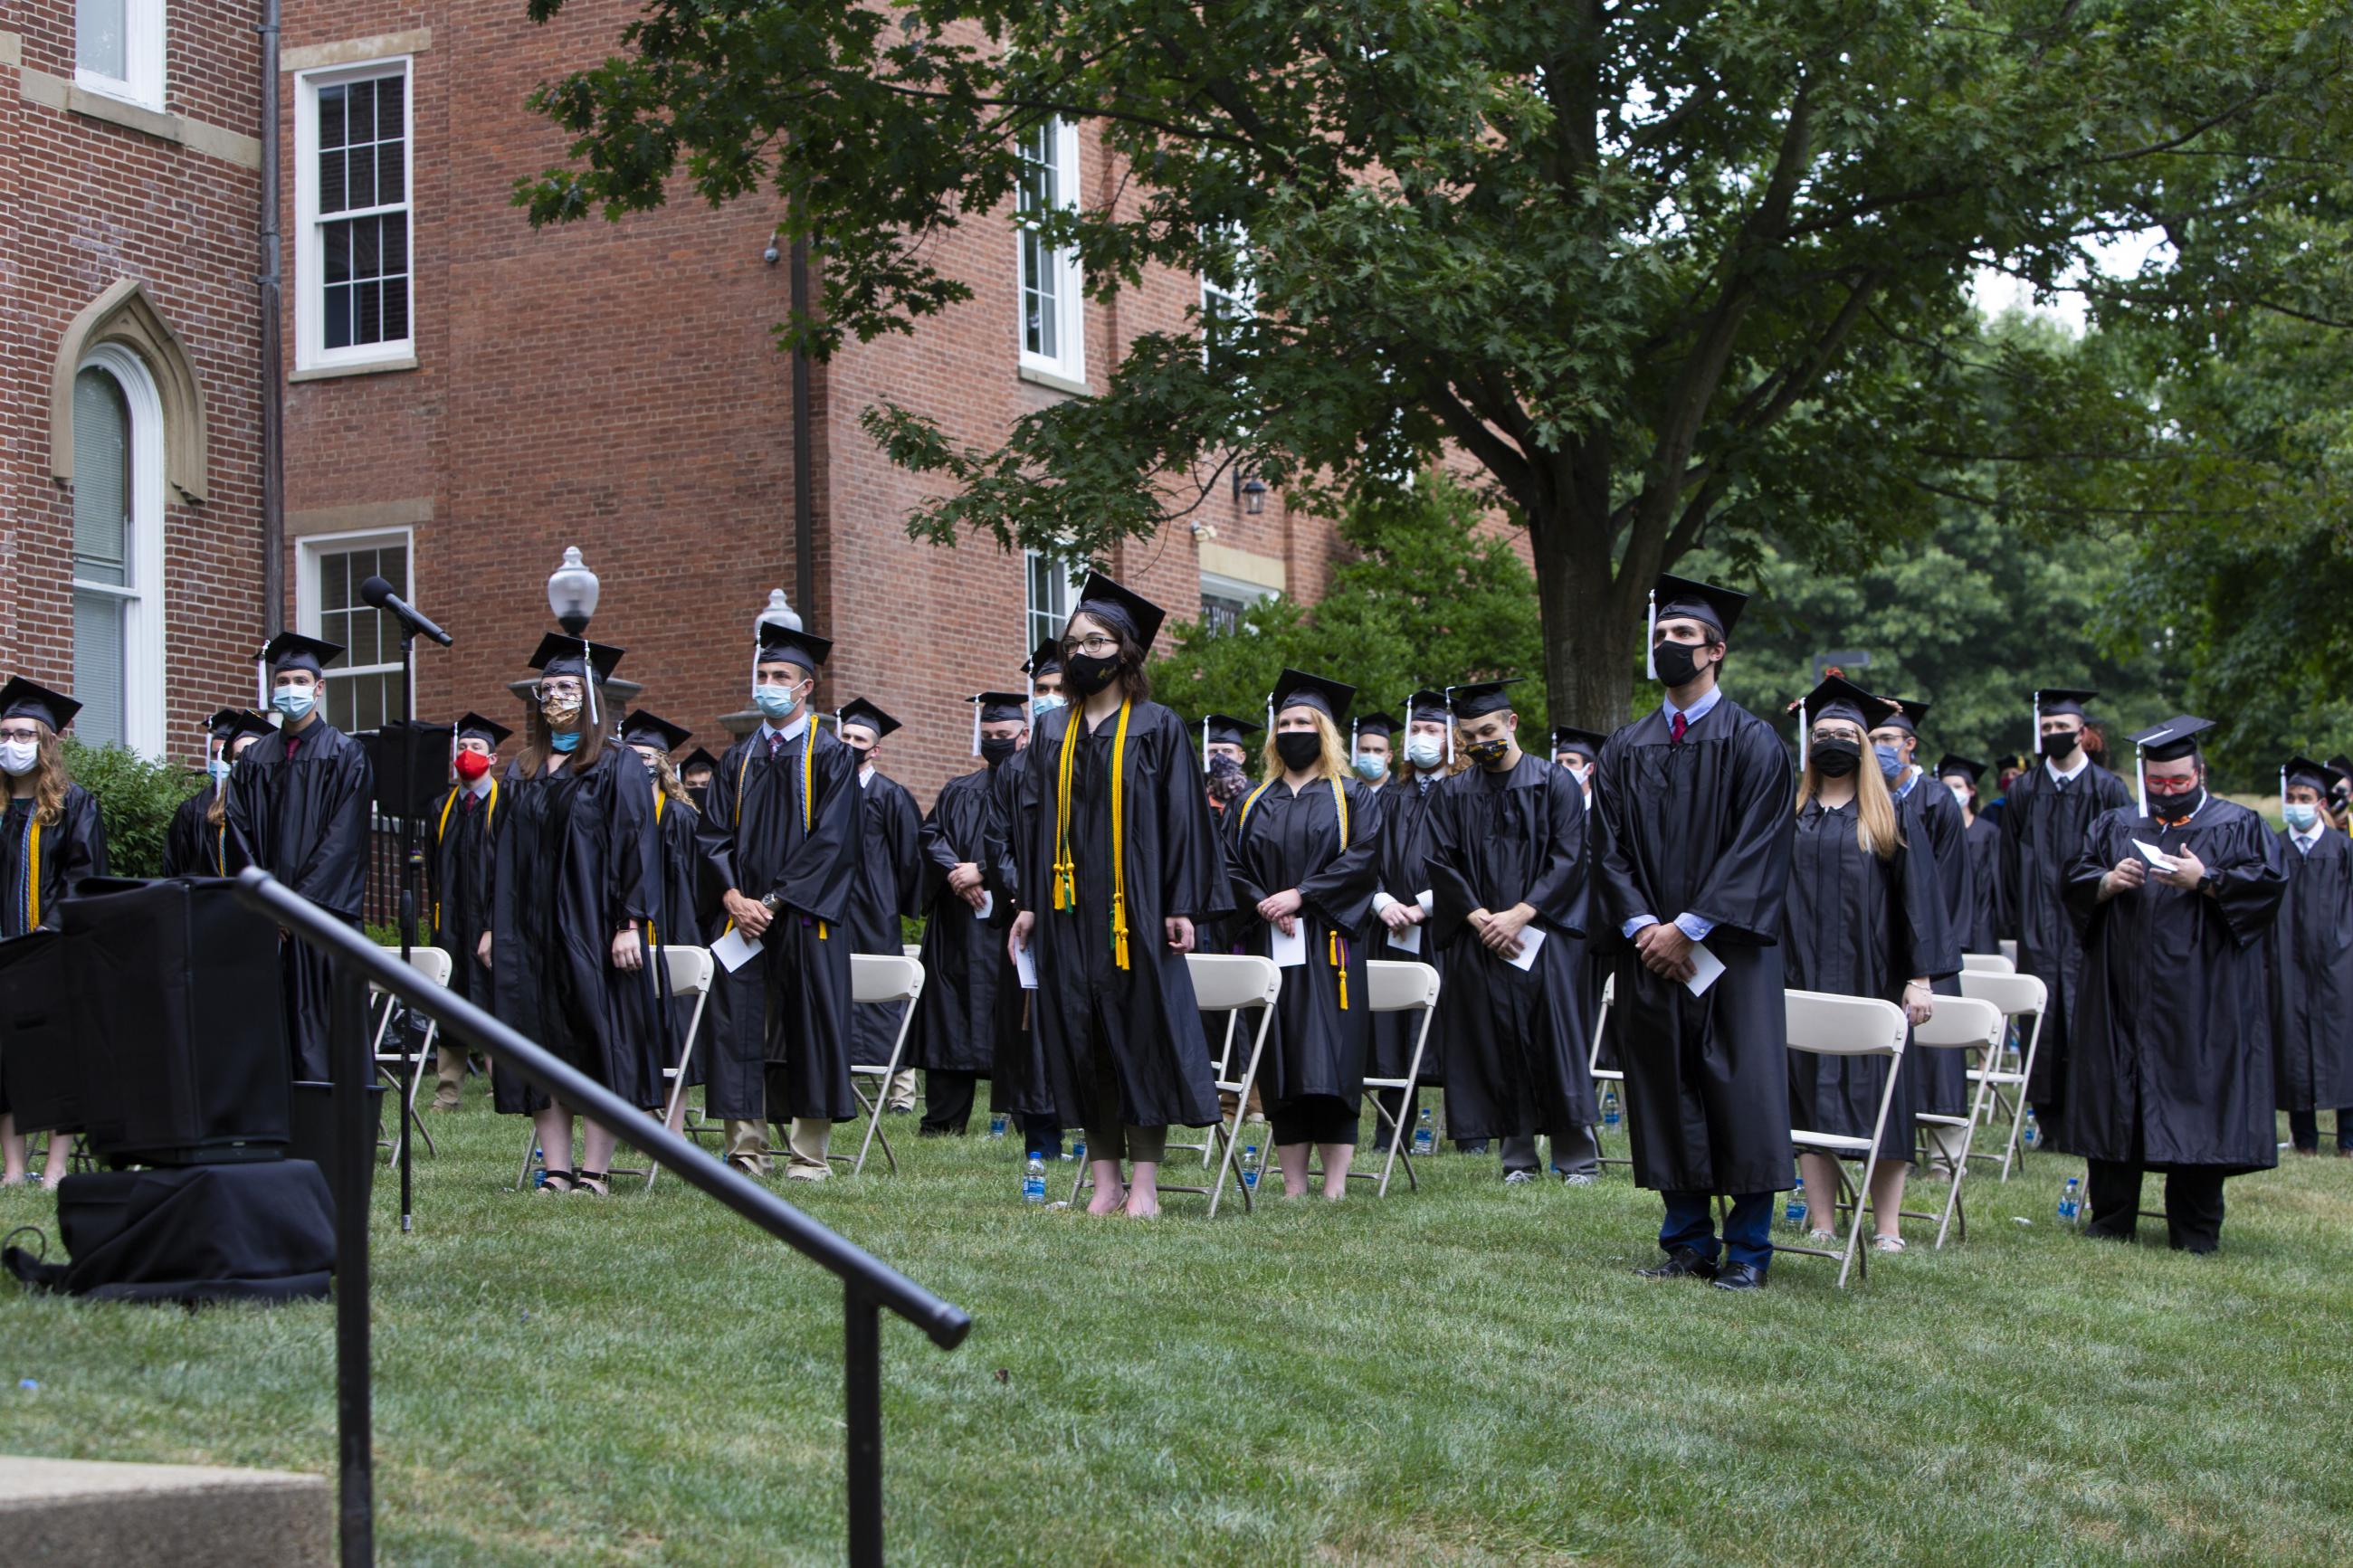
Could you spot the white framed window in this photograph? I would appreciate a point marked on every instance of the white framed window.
(1054, 337)
(117, 552)
(119, 49)
(1053, 593)
(1227, 305)
(353, 299)
(1224, 601)
(363, 686)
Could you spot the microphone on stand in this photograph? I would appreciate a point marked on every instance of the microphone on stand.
(378, 592)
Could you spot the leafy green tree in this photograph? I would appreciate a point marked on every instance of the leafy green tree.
(135, 800)
(1672, 272)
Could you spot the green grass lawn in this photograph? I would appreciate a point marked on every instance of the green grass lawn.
(1470, 1374)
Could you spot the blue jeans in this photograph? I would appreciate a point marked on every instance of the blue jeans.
(1748, 1229)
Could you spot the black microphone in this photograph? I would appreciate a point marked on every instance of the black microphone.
(378, 592)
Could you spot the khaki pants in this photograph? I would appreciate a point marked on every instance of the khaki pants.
(449, 1071)
(806, 1141)
(1943, 1147)
(748, 1144)
(901, 1096)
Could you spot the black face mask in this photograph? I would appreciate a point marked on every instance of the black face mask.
(2061, 744)
(1487, 753)
(1088, 675)
(994, 750)
(1676, 662)
(1836, 758)
(695, 793)
(2174, 808)
(1298, 748)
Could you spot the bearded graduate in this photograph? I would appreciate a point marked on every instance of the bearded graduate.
(2044, 817)
(298, 808)
(954, 1039)
(197, 842)
(889, 885)
(1696, 828)
(1865, 918)
(1941, 1073)
(576, 888)
(678, 879)
(1018, 1084)
(2171, 1068)
(1122, 864)
(1959, 776)
(780, 845)
(2311, 958)
(1507, 872)
(1402, 900)
(1302, 851)
(465, 828)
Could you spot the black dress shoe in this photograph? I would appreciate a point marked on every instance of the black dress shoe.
(1739, 1277)
(1682, 1261)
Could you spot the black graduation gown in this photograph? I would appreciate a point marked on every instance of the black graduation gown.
(1704, 827)
(1931, 815)
(1857, 925)
(1404, 861)
(677, 906)
(1322, 1034)
(72, 850)
(788, 1011)
(1984, 837)
(889, 884)
(576, 860)
(2311, 961)
(1018, 1084)
(192, 845)
(954, 1029)
(1144, 1015)
(2041, 831)
(2172, 1064)
(305, 822)
(1515, 1038)
(463, 871)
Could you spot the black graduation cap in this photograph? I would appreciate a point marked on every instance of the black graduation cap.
(1950, 764)
(1001, 707)
(23, 698)
(789, 645)
(2314, 775)
(1838, 698)
(1479, 698)
(292, 651)
(1674, 596)
(1567, 738)
(474, 727)
(559, 654)
(698, 758)
(1297, 689)
(1909, 715)
(2062, 699)
(2175, 739)
(1427, 705)
(230, 722)
(1047, 660)
(863, 713)
(1225, 730)
(644, 729)
(1376, 725)
(1121, 607)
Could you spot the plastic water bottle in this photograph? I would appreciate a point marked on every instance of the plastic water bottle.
(1794, 1211)
(1425, 1133)
(1250, 1166)
(996, 1124)
(2071, 1203)
(2032, 1133)
(538, 1177)
(1033, 1179)
(1609, 1107)
(1078, 1151)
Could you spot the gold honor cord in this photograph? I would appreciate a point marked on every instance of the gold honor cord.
(1066, 870)
(1335, 951)
(33, 874)
(809, 748)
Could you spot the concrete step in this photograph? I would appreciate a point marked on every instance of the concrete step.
(66, 1513)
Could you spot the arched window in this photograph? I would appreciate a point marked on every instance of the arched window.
(118, 550)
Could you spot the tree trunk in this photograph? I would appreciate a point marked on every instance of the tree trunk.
(1591, 638)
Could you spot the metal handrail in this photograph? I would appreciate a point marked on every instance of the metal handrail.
(867, 1284)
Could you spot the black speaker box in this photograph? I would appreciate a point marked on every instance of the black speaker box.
(41, 1077)
(412, 766)
(178, 1023)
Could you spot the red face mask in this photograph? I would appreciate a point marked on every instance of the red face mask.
(472, 765)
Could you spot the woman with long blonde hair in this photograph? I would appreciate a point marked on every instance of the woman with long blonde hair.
(51, 840)
(1865, 918)
(1303, 851)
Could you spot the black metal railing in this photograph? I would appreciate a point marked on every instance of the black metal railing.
(868, 1285)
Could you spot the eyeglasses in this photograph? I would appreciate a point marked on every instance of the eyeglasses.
(20, 732)
(1096, 645)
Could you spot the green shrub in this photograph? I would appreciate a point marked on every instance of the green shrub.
(135, 800)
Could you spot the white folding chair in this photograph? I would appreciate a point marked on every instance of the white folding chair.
(433, 964)
(1607, 1080)
(1987, 964)
(690, 971)
(1964, 1024)
(1399, 985)
(2019, 997)
(2009, 946)
(878, 980)
(1831, 1026)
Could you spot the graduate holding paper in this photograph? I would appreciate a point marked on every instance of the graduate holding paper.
(1507, 874)
(1402, 902)
(1302, 851)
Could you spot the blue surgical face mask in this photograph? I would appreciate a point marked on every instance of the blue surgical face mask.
(292, 701)
(1369, 768)
(1891, 760)
(776, 701)
(1044, 703)
(2301, 817)
(220, 770)
(564, 739)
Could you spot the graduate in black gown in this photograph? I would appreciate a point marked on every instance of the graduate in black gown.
(1941, 1072)
(1508, 867)
(2311, 957)
(197, 842)
(1693, 848)
(1123, 863)
(299, 807)
(1401, 904)
(696, 774)
(2171, 1068)
(889, 885)
(1960, 775)
(576, 890)
(781, 845)
(1865, 917)
(1018, 1085)
(1578, 750)
(677, 905)
(1372, 747)
(465, 830)
(1302, 852)
(954, 1039)
(1225, 742)
(2044, 815)
(51, 841)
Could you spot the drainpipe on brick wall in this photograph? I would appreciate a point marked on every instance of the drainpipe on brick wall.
(273, 387)
(804, 450)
